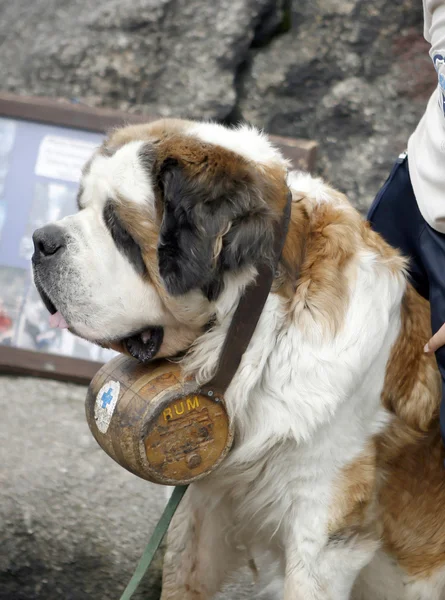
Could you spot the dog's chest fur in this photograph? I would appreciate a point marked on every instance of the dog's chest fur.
(306, 404)
(317, 405)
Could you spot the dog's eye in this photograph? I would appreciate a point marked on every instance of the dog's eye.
(123, 240)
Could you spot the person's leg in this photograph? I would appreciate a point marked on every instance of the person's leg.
(396, 216)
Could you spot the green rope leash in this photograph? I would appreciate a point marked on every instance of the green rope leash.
(154, 542)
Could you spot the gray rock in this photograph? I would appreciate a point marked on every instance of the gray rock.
(355, 76)
(165, 57)
(73, 523)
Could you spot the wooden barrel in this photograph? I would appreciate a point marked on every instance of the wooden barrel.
(155, 424)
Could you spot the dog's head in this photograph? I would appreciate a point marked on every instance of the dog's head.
(169, 215)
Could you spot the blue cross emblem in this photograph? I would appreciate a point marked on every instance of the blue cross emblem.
(107, 397)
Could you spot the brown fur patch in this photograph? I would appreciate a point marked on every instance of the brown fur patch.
(203, 160)
(353, 508)
(332, 241)
(412, 499)
(412, 384)
(319, 254)
(293, 252)
(410, 451)
(145, 132)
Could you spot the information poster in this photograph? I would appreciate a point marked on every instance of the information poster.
(40, 167)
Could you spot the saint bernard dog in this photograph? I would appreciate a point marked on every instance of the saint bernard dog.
(335, 487)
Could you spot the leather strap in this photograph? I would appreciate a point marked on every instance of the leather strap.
(247, 314)
(155, 541)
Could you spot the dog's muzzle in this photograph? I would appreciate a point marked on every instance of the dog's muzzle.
(50, 243)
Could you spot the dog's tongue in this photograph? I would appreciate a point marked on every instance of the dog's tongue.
(56, 320)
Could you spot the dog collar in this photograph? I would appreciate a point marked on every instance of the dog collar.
(247, 315)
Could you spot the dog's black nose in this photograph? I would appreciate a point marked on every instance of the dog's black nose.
(48, 241)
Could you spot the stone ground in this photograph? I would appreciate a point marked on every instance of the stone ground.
(73, 523)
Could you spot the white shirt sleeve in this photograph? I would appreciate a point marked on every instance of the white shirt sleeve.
(426, 146)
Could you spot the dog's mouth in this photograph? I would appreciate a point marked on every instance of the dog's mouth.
(56, 319)
(46, 301)
(142, 345)
(146, 344)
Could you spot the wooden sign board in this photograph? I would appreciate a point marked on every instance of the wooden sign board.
(43, 146)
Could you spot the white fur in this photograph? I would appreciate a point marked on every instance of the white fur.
(304, 407)
(384, 579)
(120, 176)
(313, 187)
(244, 140)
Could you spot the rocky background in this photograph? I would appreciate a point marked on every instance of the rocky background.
(353, 75)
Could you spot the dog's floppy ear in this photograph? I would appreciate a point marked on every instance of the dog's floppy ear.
(210, 228)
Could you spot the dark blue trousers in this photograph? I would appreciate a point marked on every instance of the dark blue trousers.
(396, 216)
